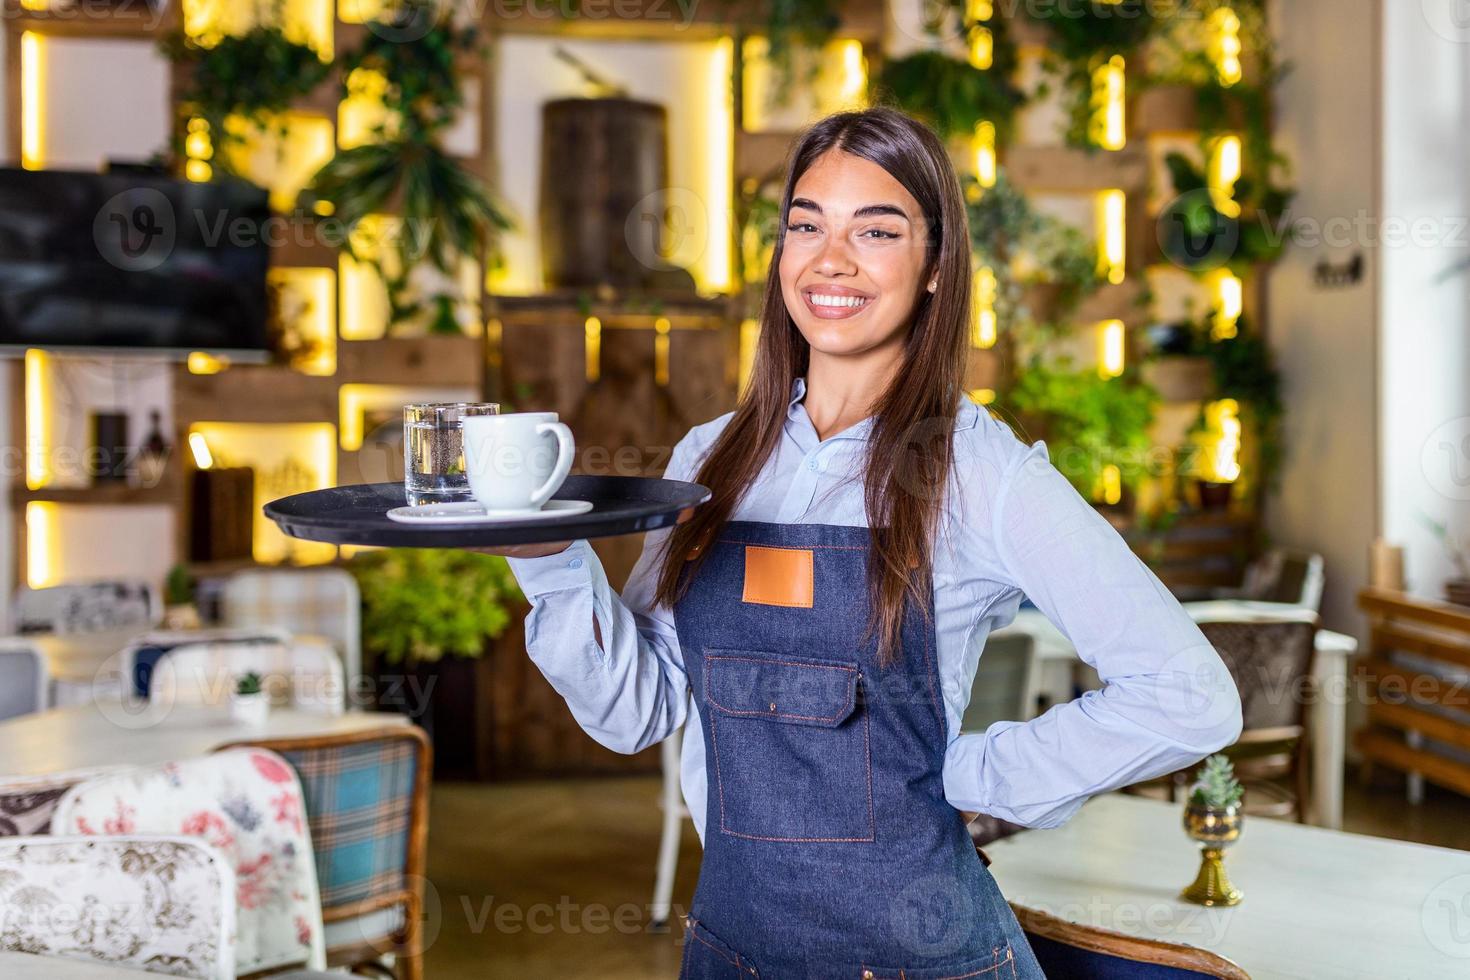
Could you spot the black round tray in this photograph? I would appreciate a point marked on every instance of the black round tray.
(358, 514)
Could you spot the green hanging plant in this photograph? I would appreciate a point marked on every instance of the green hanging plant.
(950, 95)
(444, 211)
(242, 84)
(1088, 422)
(1083, 36)
(1197, 236)
(424, 604)
(1024, 248)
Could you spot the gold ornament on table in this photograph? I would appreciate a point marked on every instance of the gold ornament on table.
(1212, 816)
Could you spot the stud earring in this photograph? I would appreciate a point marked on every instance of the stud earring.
(933, 285)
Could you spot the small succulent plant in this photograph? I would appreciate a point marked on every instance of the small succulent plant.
(1216, 786)
(248, 683)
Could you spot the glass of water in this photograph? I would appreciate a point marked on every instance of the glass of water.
(433, 450)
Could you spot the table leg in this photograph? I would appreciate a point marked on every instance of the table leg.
(1329, 740)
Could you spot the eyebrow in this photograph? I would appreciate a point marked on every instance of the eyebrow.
(867, 211)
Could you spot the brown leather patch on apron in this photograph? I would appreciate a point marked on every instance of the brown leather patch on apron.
(778, 576)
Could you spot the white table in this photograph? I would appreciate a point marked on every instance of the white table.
(108, 733)
(1327, 717)
(1319, 904)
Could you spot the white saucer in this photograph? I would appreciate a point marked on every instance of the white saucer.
(470, 512)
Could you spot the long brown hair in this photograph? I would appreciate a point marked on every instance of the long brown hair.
(910, 446)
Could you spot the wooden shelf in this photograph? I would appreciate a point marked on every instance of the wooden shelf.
(412, 361)
(669, 20)
(263, 393)
(166, 493)
(1065, 169)
(91, 20)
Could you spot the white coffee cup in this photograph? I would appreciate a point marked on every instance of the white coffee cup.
(516, 461)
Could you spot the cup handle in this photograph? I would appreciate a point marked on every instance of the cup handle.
(566, 449)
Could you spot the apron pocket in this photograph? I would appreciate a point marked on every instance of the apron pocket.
(791, 747)
(707, 958)
(998, 964)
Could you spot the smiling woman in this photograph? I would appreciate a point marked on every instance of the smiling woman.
(868, 527)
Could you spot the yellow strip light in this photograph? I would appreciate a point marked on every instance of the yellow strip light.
(1110, 484)
(985, 165)
(592, 331)
(750, 332)
(1112, 208)
(42, 544)
(719, 171)
(985, 328)
(199, 447)
(1224, 171)
(1230, 298)
(38, 419)
(32, 74)
(661, 351)
(1223, 418)
(1225, 48)
(1108, 127)
(1110, 348)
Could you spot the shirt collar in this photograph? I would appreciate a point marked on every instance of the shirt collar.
(965, 418)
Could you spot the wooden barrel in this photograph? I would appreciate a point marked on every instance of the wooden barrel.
(604, 175)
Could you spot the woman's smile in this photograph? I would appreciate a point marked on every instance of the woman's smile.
(835, 302)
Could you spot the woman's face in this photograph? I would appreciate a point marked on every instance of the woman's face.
(854, 260)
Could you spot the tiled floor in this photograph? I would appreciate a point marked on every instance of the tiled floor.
(553, 879)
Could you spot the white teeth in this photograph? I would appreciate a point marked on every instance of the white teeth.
(825, 299)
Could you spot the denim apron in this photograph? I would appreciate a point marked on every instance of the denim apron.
(830, 850)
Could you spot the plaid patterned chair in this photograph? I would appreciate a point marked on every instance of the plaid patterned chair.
(86, 607)
(316, 602)
(156, 904)
(367, 804)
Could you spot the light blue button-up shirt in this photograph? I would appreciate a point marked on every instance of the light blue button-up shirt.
(1012, 525)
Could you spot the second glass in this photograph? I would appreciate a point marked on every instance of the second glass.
(433, 450)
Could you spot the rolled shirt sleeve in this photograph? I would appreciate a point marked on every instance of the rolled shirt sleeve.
(1168, 699)
(631, 691)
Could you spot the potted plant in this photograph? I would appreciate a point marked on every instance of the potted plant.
(249, 704)
(1456, 589)
(1212, 817)
(429, 616)
(179, 611)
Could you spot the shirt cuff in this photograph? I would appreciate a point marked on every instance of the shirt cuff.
(571, 568)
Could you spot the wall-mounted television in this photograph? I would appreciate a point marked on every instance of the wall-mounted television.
(132, 261)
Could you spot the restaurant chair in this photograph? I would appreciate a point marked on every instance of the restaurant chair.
(1082, 952)
(1007, 685)
(27, 802)
(162, 904)
(367, 805)
(318, 602)
(25, 681)
(140, 658)
(86, 607)
(671, 801)
(248, 804)
(1271, 662)
(302, 673)
(1282, 575)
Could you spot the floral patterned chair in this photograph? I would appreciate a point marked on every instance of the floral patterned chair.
(248, 804)
(158, 904)
(27, 802)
